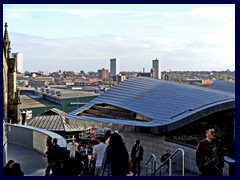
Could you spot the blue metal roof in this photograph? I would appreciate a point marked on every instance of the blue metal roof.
(223, 86)
(170, 105)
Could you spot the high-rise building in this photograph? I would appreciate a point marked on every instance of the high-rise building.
(103, 73)
(19, 57)
(157, 68)
(114, 67)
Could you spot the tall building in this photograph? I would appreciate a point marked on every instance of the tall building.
(19, 57)
(114, 67)
(157, 68)
(103, 73)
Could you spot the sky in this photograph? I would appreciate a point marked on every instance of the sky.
(75, 37)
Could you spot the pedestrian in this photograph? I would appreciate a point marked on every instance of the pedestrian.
(50, 156)
(98, 153)
(137, 157)
(57, 167)
(16, 170)
(164, 157)
(7, 168)
(210, 155)
(107, 136)
(115, 157)
(84, 154)
(73, 161)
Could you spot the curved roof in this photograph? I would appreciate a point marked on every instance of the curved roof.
(166, 105)
(223, 86)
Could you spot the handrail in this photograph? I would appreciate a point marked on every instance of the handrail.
(170, 162)
(152, 156)
(154, 165)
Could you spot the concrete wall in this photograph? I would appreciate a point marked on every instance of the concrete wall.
(157, 145)
(4, 144)
(31, 137)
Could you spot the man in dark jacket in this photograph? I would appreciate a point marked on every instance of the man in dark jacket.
(137, 157)
(210, 155)
(164, 158)
(57, 167)
(50, 156)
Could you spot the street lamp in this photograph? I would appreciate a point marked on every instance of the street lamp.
(77, 99)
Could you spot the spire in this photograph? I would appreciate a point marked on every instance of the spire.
(6, 33)
(6, 43)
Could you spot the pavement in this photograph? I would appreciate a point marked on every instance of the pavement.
(33, 163)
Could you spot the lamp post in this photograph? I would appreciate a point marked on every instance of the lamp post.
(77, 99)
(24, 117)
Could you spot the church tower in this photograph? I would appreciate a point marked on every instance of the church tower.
(11, 96)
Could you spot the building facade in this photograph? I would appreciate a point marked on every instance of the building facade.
(114, 67)
(103, 73)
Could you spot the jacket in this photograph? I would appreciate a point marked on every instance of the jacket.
(209, 156)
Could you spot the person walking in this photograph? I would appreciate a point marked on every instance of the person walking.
(98, 153)
(50, 157)
(73, 161)
(7, 168)
(16, 170)
(107, 136)
(137, 157)
(210, 155)
(57, 166)
(115, 157)
(164, 157)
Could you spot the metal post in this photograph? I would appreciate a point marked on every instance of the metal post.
(170, 167)
(183, 164)
(77, 99)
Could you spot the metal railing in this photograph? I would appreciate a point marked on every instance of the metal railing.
(153, 161)
(169, 160)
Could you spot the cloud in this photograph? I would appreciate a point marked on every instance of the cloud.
(83, 12)
(216, 13)
(93, 53)
(14, 15)
(140, 36)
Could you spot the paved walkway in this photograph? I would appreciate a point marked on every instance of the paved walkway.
(32, 162)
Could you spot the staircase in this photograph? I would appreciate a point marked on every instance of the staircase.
(175, 168)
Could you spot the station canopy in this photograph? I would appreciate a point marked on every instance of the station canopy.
(146, 103)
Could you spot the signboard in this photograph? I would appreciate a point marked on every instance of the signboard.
(93, 133)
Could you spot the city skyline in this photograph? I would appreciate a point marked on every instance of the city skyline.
(86, 36)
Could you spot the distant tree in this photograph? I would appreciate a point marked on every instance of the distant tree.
(52, 83)
(223, 123)
(27, 73)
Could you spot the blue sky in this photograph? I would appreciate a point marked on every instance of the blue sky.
(86, 36)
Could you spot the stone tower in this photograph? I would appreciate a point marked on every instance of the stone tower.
(11, 96)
